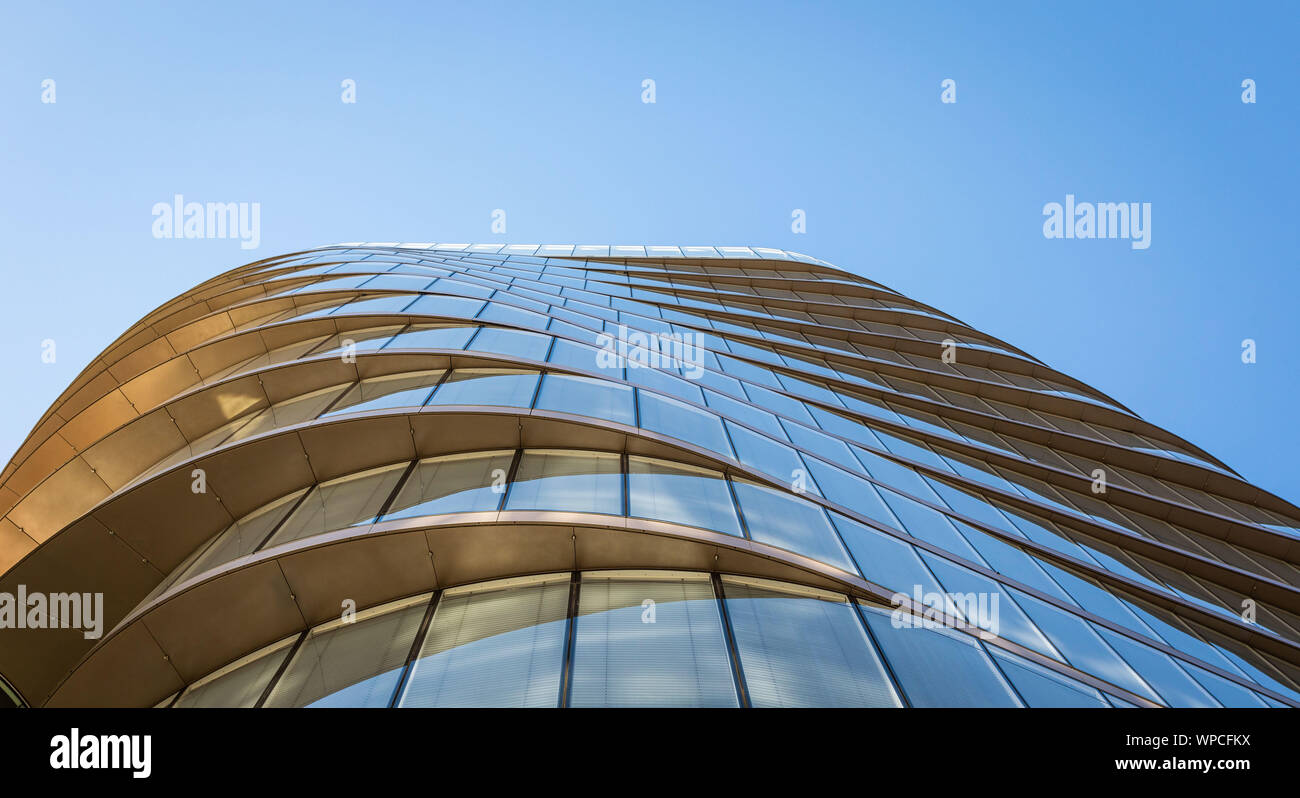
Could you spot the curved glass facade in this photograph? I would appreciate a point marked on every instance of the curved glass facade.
(511, 476)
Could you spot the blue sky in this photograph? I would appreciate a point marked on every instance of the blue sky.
(760, 108)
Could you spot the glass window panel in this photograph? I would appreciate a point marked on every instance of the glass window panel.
(587, 396)
(824, 446)
(508, 314)
(383, 304)
(889, 562)
(848, 491)
(844, 427)
(776, 460)
(938, 667)
(503, 387)
(244, 536)
(930, 525)
(681, 494)
(442, 305)
(291, 411)
(1159, 670)
(996, 611)
(677, 420)
(663, 382)
(1082, 647)
(780, 519)
(1012, 562)
(515, 343)
(239, 684)
(778, 403)
(357, 340)
(650, 640)
(902, 478)
(587, 358)
(748, 371)
(573, 481)
(498, 644)
(456, 483)
(968, 505)
(801, 647)
(440, 337)
(745, 413)
(356, 664)
(1042, 687)
(391, 390)
(351, 500)
(1230, 694)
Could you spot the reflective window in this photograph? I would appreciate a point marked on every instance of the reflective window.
(497, 644)
(1041, 687)
(746, 413)
(677, 420)
(356, 340)
(505, 387)
(887, 561)
(239, 684)
(824, 446)
(515, 343)
(1082, 647)
(291, 411)
(573, 481)
(801, 647)
(663, 382)
(988, 604)
(432, 337)
(409, 389)
(939, 667)
(778, 402)
(586, 358)
(441, 305)
(350, 500)
(356, 664)
(930, 525)
(1159, 670)
(587, 396)
(652, 639)
(681, 494)
(780, 519)
(242, 537)
(776, 460)
(456, 483)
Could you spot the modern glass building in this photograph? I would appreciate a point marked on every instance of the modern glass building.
(419, 475)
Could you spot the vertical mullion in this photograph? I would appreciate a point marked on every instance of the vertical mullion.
(276, 527)
(392, 496)
(733, 652)
(510, 479)
(625, 464)
(880, 651)
(415, 647)
(284, 666)
(566, 677)
(735, 502)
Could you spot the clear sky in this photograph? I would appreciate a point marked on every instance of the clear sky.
(761, 108)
